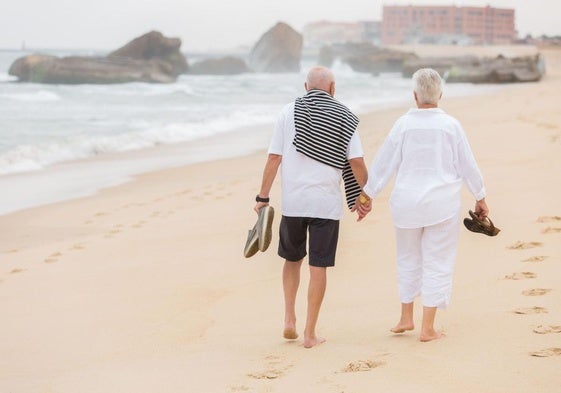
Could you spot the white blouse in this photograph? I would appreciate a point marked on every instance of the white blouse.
(429, 152)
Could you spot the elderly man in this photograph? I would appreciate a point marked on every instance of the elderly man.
(430, 155)
(312, 201)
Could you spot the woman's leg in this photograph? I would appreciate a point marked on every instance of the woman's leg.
(439, 244)
(409, 274)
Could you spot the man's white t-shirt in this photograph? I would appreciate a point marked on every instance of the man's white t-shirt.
(309, 188)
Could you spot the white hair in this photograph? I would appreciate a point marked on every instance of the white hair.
(427, 86)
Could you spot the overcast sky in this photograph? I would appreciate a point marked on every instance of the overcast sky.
(211, 24)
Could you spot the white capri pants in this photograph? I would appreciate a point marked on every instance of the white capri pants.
(425, 262)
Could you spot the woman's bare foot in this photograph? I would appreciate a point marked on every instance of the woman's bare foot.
(313, 341)
(289, 332)
(402, 327)
(430, 336)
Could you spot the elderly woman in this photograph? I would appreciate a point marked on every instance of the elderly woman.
(430, 155)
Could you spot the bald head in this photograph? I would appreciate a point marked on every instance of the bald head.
(320, 78)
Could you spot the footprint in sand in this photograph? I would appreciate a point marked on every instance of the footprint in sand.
(139, 224)
(539, 258)
(274, 369)
(548, 126)
(541, 329)
(551, 230)
(524, 245)
(531, 310)
(536, 292)
(242, 388)
(361, 365)
(520, 276)
(53, 257)
(548, 218)
(545, 353)
(77, 246)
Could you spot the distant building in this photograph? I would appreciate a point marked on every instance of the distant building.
(324, 33)
(447, 24)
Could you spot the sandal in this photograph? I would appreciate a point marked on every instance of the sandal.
(259, 237)
(485, 226)
(251, 244)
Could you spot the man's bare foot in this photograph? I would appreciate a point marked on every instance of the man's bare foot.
(290, 334)
(430, 336)
(312, 342)
(402, 327)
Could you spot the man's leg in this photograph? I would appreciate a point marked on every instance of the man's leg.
(290, 283)
(316, 291)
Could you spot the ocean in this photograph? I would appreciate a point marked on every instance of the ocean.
(60, 142)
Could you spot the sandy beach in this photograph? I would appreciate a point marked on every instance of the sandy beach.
(143, 287)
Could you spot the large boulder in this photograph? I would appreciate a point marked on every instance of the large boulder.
(228, 65)
(278, 50)
(154, 45)
(441, 64)
(150, 58)
(95, 70)
(470, 69)
(365, 57)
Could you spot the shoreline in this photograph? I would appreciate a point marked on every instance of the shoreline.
(85, 177)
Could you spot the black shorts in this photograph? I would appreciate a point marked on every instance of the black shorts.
(324, 235)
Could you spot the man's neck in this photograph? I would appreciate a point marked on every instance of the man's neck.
(427, 106)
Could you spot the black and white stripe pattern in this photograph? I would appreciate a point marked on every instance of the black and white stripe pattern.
(324, 128)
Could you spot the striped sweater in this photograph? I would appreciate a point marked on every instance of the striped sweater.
(324, 128)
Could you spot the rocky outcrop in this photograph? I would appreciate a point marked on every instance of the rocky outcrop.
(470, 69)
(154, 45)
(149, 58)
(278, 50)
(228, 65)
(365, 57)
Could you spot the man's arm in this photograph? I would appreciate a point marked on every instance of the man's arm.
(269, 174)
(361, 175)
(359, 170)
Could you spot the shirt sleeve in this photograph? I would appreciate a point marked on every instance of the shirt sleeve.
(277, 142)
(468, 169)
(354, 149)
(384, 165)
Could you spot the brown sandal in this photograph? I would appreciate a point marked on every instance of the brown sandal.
(484, 226)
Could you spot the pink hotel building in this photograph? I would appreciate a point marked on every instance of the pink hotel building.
(480, 25)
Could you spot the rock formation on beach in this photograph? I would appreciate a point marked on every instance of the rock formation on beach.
(228, 65)
(278, 50)
(365, 57)
(472, 69)
(148, 58)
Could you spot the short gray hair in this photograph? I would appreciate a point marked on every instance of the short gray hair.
(428, 86)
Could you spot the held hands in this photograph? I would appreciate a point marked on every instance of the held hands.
(363, 206)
